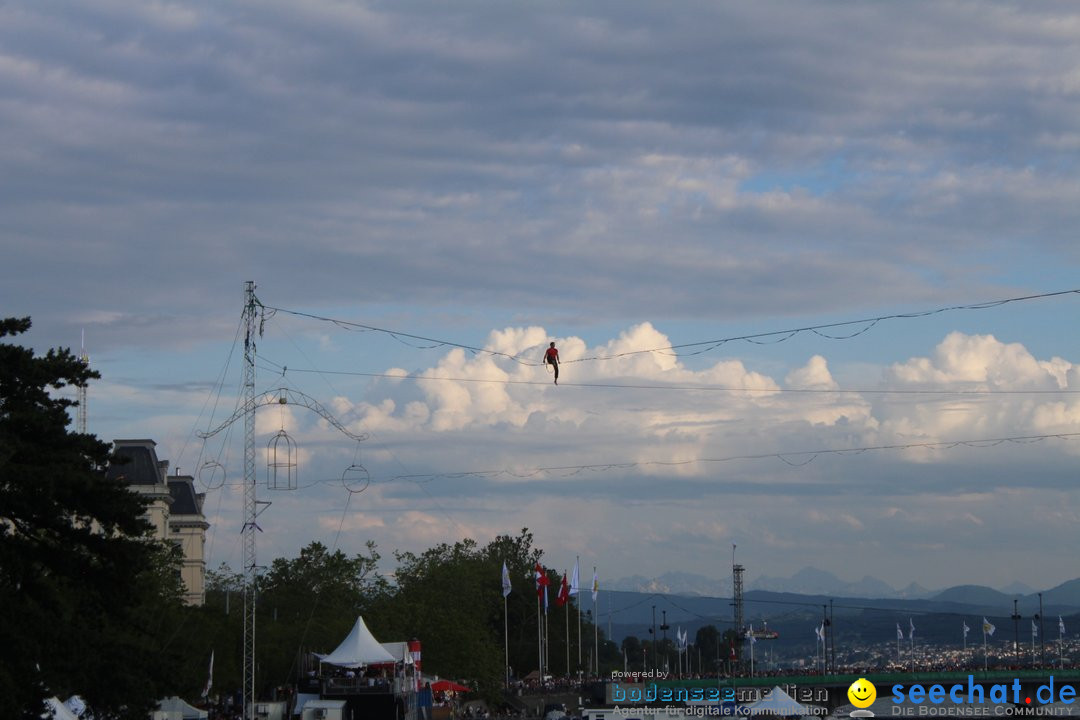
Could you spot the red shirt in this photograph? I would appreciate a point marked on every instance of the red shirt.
(552, 355)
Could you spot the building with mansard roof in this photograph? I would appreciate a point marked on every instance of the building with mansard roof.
(174, 508)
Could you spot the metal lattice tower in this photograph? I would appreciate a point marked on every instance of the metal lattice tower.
(80, 413)
(250, 500)
(355, 476)
(736, 595)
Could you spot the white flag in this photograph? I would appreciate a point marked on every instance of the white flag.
(966, 629)
(574, 587)
(1061, 625)
(750, 635)
(210, 677)
(988, 627)
(595, 585)
(899, 632)
(505, 580)
(1034, 630)
(911, 635)
(820, 632)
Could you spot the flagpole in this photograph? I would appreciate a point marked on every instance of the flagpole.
(539, 641)
(596, 625)
(506, 644)
(1061, 651)
(506, 587)
(911, 636)
(985, 660)
(568, 638)
(577, 594)
(547, 634)
(547, 641)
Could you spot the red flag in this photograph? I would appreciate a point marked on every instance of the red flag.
(564, 593)
(541, 579)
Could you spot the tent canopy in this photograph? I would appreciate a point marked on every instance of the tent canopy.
(778, 702)
(58, 711)
(359, 648)
(176, 705)
(446, 685)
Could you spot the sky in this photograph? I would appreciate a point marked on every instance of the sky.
(484, 178)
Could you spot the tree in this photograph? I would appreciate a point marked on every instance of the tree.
(707, 641)
(632, 649)
(310, 603)
(450, 597)
(87, 597)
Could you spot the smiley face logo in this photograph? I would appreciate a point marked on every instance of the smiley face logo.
(862, 693)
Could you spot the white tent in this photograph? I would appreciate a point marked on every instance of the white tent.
(400, 651)
(359, 648)
(187, 712)
(779, 703)
(58, 711)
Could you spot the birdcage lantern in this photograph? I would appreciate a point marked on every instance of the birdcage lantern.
(281, 462)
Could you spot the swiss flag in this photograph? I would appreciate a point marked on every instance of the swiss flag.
(541, 579)
(564, 593)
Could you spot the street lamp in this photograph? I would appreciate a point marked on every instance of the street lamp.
(664, 626)
(652, 632)
(1016, 632)
(1042, 636)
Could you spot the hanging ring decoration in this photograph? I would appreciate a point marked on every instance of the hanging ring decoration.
(209, 472)
(356, 478)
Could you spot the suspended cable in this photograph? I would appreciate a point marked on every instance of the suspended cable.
(275, 367)
(786, 457)
(770, 337)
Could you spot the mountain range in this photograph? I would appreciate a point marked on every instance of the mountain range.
(868, 609)
(808, 581)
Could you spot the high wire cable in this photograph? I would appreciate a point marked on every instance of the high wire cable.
(770, 337)
(388, 450)
(277, 368)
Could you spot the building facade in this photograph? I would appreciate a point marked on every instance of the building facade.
(174, 508)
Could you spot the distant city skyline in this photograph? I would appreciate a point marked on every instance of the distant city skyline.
(615, 178)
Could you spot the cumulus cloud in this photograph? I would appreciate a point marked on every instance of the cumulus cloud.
(563, 173)
(982, 361)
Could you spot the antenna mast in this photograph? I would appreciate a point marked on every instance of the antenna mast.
(281, 472)
(80, 414)
(737, 598)
(250, 502)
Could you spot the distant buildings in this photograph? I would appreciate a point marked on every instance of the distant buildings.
(174, 508)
